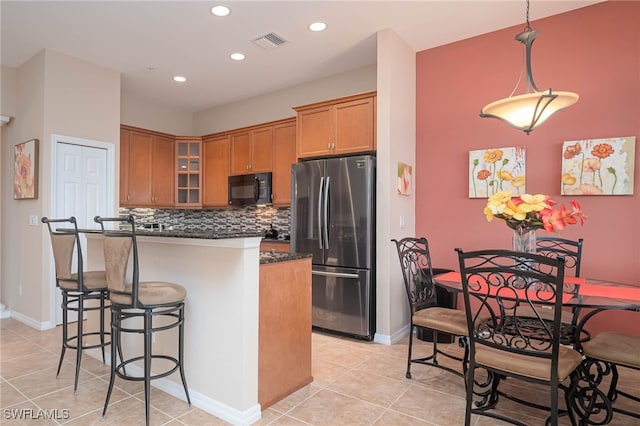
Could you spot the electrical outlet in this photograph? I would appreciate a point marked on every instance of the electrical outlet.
(20, 290)
(402, 224)
(33, 220)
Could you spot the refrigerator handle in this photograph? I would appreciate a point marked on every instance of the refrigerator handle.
(320, 212)
(326, 212)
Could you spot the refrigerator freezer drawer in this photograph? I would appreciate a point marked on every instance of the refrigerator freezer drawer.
(342, 301)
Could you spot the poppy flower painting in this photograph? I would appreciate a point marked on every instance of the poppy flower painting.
(494, 170)
(598, 166)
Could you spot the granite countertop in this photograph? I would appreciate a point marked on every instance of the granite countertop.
(265, 256)
(279, 256)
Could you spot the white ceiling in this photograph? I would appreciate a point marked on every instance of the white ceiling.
(151, 41)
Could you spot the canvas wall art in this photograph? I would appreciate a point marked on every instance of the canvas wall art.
(598, 166)
(25, 176)
(404, 179)
(496, 169)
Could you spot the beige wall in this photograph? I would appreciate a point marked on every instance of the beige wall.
(396, 143)
(56, 94)
(139, 112)
(278, 105)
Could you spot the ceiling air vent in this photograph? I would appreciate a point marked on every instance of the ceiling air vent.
(270, 41)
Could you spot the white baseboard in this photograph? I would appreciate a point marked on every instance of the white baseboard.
(4, 312)
(203, 402)
(386, 339)
(45, 325)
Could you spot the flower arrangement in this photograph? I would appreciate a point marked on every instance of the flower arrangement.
(528, 212)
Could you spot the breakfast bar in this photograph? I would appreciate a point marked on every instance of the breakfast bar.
(247, 318)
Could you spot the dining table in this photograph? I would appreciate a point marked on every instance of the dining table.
(592, 404)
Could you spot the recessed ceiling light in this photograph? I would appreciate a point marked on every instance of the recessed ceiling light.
(318, 26)
(237, 56)
(220, 10)
(179, 79)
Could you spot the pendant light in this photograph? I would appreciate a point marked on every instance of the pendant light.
(526, 112)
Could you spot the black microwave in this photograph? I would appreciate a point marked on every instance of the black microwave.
(248, 190)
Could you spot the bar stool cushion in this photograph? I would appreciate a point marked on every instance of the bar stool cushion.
(152, 294)
(93, 280)
(616, 348)
(529, 366)
(447, 320)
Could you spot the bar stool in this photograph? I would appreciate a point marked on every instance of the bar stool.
(77, 289)
(130, 302)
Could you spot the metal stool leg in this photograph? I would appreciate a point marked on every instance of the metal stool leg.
(64, 331)
(181, 354)
(115, 342)
(79, 339)
(103, 296)
(147, 364)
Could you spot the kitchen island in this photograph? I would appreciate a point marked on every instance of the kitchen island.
(247, 318)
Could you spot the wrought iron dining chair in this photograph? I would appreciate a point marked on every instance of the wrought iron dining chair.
(141, 308)
(604, 355)
(497, 284)
(571, 251)
(418, 273)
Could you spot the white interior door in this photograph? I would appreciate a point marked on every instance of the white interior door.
(82, 188)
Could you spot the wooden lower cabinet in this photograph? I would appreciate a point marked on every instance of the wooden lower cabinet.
(284, 334)
(281, 246)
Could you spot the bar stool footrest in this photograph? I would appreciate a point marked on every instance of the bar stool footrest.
(125, 376)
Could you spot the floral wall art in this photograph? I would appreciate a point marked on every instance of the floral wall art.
(496, 169)
(25, 176)
(598, 166)
(404, 179)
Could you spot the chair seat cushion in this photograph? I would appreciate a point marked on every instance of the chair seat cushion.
(528, 366)
(152, 294)
(93, 280)
(621, 349)
(447, 320)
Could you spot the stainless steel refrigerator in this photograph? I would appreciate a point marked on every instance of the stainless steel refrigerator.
(333, 218)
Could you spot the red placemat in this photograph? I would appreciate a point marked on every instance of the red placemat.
(610, 292)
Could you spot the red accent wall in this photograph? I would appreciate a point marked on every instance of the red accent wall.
(593, 51)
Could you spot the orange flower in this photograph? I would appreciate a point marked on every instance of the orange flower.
(572, 151)
(602, 150)
(493, 155)
(483, 174)
(530, 212)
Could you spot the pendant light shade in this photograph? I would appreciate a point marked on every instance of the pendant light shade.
(526, 112)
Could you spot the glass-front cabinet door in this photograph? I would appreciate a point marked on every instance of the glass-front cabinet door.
(188, 172)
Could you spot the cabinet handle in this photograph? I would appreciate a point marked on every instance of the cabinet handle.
(128, 197)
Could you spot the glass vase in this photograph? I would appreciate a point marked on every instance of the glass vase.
(524, 240)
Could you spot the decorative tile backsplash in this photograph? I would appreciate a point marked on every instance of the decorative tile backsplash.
(232, 220)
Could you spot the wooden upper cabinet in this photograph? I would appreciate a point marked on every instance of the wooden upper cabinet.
(284, 147)
(215, 179)
(124, 165)
(337, 127)
(145, 158)
(261, 149)
(162, 181)
(251, 151)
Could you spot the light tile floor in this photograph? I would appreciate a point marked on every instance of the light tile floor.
(355, 383)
